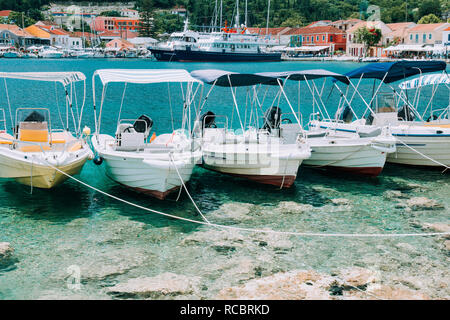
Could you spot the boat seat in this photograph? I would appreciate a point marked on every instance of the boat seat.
(127, 139)
(33, 131)
(6, 138)
(59, 137)
(214, 135)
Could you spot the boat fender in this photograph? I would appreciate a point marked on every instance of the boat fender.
(153, 137)
(98, 160)
(86, 131)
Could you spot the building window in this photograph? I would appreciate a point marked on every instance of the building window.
(317, 38)
(430, 36)
(424, 37)
(331, 38)
(410, 37)
(323, 38)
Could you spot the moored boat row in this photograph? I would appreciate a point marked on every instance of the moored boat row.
(267, 147)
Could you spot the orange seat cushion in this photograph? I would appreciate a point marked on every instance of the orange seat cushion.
(33, 135)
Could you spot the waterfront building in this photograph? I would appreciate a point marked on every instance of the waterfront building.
(318, 39)
(426, 34)
(11, 34)
(356, 49)
(101, 23)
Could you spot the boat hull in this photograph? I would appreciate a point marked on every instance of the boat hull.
(356, 159)
(194, 55)
(415, 144)
(39, 175)
(278, 169)
(154, 174)
(164, 54)
(436, 148)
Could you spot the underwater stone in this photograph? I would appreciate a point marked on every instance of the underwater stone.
(422, 203)
(166, 284)
(340, 201)
(394, 194)
(237, 211)
(214, 236)
(6, 250)
(447, 245)
(357, 276)
(293, 285)
(438, 227)
(393, 293)
(293, 207)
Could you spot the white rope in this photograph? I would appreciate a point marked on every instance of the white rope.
(424, 155)
(184, 186)
(291, 233)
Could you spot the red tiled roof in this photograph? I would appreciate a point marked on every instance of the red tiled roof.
(80, 34)
(128, 34)
(5, 13)
(311, 30)
(53, 30)
(426, 27)
(271, 31)
(15, 29)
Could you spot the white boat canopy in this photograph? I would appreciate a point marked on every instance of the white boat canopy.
(65, 78)
(431, 79)
(144, 76)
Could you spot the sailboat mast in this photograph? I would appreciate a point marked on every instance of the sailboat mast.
(268, 12)
(216, 9)
(245, 14)
(237, 13)
(221, 7)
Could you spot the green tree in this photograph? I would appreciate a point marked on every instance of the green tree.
(431, 18)
(20, 19)
(111, 13)
(427, 7)
(294, 21)
(368, 37)
(146, 9)
(167, 23)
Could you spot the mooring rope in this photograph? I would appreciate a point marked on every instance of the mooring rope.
(424, 155)
(253, 230)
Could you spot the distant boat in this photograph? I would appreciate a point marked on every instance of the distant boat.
(50, 53)
(11, 54)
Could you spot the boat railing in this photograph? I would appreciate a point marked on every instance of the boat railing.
(442, 113)
(217, 127)
(127, 138)
(3, 119)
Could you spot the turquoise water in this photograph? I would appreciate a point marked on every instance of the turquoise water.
(111, 242)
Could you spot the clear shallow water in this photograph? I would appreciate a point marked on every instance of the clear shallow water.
(112, 242)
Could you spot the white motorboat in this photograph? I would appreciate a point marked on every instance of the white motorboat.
(250, 152)
(153, 164)
(35, 153)
(419, 142)
(50, 53)
(332, 150)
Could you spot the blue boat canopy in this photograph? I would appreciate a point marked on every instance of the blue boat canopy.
(306, 75)
(393, 71)
(224, 78)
